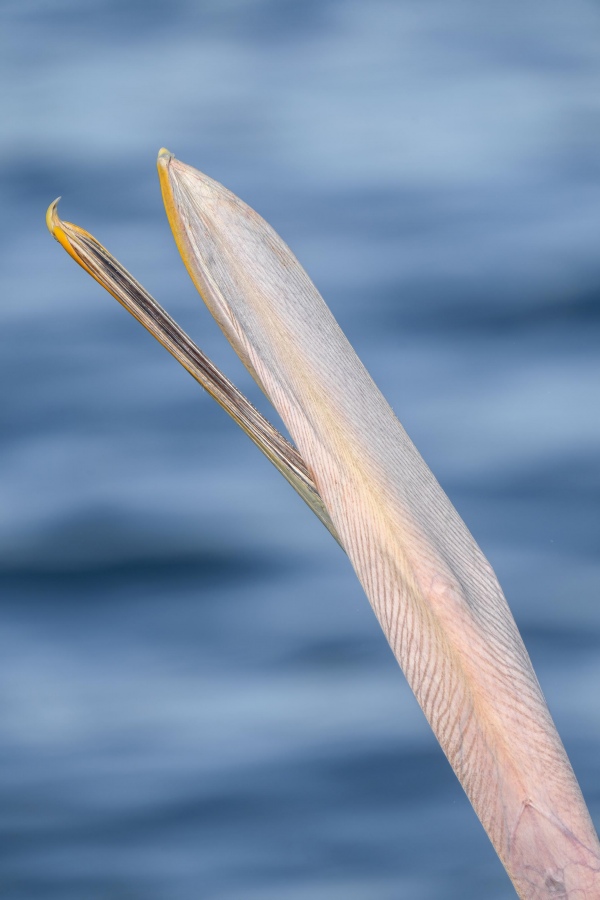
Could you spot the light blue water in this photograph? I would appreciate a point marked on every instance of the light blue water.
(195, 698)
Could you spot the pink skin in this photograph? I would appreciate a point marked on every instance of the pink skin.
(435, 595)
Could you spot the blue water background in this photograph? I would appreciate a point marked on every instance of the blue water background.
(195, 698)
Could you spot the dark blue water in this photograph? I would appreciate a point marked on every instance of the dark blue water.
(195, 698)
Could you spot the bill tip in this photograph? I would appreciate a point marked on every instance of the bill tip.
(164, 155)
(52, 219)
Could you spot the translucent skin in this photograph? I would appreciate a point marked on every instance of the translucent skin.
(434, 593)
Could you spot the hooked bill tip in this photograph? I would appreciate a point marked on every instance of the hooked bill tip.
(52, 219)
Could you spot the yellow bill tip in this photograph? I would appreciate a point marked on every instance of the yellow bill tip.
(164, 156)
(52, 220)
(63, 232)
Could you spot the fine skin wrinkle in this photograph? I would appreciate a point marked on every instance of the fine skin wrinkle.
(435, 595)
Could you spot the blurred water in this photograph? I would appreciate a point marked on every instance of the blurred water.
(196, 700)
